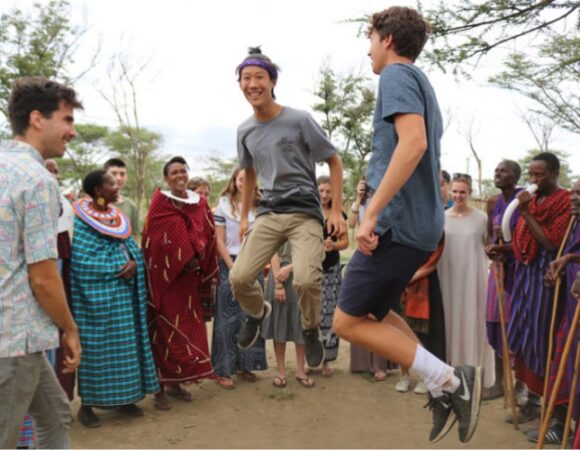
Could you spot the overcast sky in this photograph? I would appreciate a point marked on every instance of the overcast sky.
(190, 94)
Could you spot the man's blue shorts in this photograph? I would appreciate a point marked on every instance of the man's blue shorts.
(374, 284)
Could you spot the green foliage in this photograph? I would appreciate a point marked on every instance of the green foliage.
(551, 79)
(139, 148)
(84, 153)
(566, 176)
(465, 31)
(218, 171)
(347, 103)
(41, 43)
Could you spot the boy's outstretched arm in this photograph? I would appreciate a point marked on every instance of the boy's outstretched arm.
(248, 187)
(336, 223)
(410, 149)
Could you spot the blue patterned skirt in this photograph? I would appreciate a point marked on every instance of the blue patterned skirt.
(226, 357)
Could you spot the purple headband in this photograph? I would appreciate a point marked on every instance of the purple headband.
(260, 63)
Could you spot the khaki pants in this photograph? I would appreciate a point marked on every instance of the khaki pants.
(261, 243)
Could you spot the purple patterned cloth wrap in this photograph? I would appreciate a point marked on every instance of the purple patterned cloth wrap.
(573, 246)
(492, 310)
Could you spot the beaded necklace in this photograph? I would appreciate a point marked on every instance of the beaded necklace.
(112, 222)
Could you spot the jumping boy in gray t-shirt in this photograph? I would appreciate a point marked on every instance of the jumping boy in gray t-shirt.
(282, 145)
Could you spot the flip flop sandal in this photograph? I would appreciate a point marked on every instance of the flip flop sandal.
(306, 382)
(279, 382)
(180, 393)
(248, 376)
(161, 403)
(226, 383)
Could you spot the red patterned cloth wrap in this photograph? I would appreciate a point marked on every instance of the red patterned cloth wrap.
(172, 238)
(552, 214)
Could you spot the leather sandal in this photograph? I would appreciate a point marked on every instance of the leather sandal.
(280, 382)
(306, 381)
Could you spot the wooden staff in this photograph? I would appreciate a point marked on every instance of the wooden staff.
(553, 321)
(509, 395)
(572, 399)
(561, 369)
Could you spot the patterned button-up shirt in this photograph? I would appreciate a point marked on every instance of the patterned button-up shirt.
(29, 209)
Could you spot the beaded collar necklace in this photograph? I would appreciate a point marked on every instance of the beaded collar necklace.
(111, 222)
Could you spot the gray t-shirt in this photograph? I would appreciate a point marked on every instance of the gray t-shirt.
(415, 215)
(284, 151)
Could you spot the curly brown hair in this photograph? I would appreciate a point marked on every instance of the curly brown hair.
(37, 94)
(407, 26)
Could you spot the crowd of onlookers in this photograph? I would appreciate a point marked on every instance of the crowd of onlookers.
(142, 312)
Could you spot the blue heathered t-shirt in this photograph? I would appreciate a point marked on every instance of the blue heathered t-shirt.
(415, 215)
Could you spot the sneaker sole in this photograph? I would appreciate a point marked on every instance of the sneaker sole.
(319, 363)
(446, 429)
(267, 312)
(475, 404)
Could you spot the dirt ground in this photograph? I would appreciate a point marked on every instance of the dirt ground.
(345, 411)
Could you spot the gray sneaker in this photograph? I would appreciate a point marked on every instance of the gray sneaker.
(313, 348)
(466, 400)
(441, 407)
(554, 435)
(250, 329)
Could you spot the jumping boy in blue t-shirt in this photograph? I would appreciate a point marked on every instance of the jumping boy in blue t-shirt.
(403, 222)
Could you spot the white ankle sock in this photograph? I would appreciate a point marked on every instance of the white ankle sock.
(436, 375)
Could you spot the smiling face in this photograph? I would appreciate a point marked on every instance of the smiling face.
(176, 178)
(257, 86)
(378, 52)
(460, 193)
(325, 191)
(56, 131)
(575, 192)
(109, 189)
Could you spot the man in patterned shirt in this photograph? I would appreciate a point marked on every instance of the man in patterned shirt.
(32, 297)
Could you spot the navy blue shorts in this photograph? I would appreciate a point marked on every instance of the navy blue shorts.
(374, 284)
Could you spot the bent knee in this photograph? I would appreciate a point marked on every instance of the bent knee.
(238, 279)
(341, 323)
(307, 283)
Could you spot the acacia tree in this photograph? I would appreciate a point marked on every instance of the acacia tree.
(565, 179)
(140, 185)
(217, 170)
(84, 153)
(468, 134)
(132, 141)
(548, 73)
(41, 43)
(346, 103)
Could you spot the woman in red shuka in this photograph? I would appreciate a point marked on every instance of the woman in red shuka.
(180, 254)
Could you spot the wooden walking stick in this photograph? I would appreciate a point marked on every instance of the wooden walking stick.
(553, 321)
(561, 369)
(572, 399)
(509, 395)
